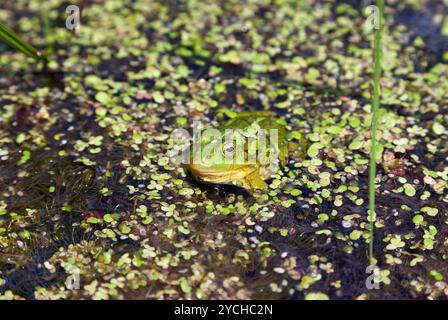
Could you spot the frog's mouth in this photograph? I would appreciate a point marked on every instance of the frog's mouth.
(228, 174)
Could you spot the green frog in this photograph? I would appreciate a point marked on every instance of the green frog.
(237, 154)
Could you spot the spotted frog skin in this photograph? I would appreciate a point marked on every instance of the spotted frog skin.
(249, 172)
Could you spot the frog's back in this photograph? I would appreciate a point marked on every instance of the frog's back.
(265, 120)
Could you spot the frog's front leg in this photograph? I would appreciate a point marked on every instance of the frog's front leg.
(254, 181)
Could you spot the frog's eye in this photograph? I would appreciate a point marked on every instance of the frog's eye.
(228, 149)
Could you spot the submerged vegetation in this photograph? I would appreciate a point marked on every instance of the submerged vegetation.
(88, 191)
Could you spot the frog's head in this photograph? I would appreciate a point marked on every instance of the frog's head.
(219, 161)
(237, 152)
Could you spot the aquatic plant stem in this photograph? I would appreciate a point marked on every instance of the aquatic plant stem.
(45, 20)
(377, 54)
(45, 23)
(11, 38)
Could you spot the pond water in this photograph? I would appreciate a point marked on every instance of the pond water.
(92, 208)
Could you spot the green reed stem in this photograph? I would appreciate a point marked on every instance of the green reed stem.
(11, 38)
(45, 23)
(377, 54)
(45, 20)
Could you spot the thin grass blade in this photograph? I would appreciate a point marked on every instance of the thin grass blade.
(377, 69)
(11, 38)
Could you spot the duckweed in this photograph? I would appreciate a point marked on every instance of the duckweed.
(88, 183)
